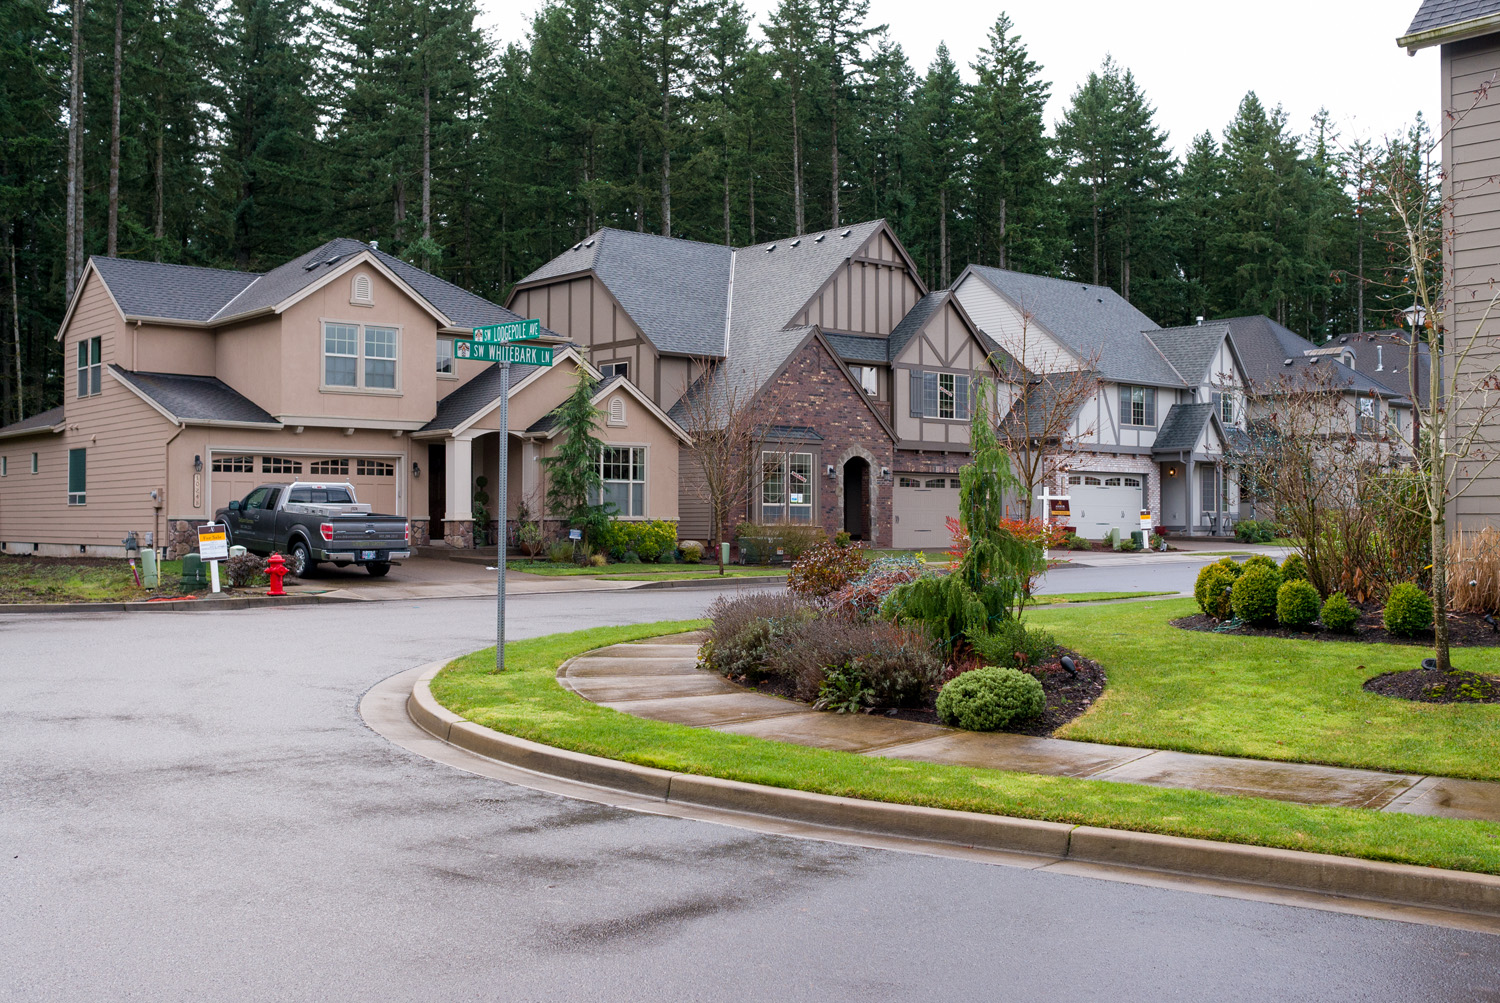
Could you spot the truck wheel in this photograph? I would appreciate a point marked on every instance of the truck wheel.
(302, 564)
(378, 569)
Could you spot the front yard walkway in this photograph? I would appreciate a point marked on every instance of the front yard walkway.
(662, 681)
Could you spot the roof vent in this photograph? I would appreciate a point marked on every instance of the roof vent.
(1344, 340)
(311, 265)
(795, 242)
(1313, 361)
(333, 259)
(374, 245)
(1101, 299)
(845, 234)
(577, 245)
(819, 238)
(588, 243)
(1286, 362)
(771, 248)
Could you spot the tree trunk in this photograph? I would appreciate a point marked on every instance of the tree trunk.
(666, 124)
(112, 241)
(74, 207)
(15, 318)
(750, 191)
(640, 188)
(398, 200)
(161, 187)
(728, 234)
(943, 236)
(1096, 234)
(1002, 257)
(426, 160)
(797, 169)
(833, 103)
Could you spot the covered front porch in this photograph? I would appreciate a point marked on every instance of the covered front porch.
(1199, 493)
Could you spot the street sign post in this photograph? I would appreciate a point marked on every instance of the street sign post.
(483, 351)
(213, 547)
(493, 344)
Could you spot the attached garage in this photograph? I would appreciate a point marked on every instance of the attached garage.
(922, 505)
(376, 479)
(1104, 501)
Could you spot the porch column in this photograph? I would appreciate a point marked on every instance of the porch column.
(1190, 510)
(458, 520)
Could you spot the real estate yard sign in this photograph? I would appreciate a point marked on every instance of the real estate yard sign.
(213, 547)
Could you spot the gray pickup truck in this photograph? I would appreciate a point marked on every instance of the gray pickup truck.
(314, 522)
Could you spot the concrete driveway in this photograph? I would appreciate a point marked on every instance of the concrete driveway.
(193, 810)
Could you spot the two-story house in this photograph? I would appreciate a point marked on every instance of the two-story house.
(186, 387)
(872, 374)
(1166, 406)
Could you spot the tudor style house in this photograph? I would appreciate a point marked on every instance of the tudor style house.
(872, 373)
(1156, 433)
(187, 387)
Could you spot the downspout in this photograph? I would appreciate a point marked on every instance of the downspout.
(166, 485)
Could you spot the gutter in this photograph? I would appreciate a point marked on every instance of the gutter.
(1460, 31)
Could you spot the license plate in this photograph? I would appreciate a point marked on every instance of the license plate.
(367, 555)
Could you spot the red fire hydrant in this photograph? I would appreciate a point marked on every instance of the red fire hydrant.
(276, 571)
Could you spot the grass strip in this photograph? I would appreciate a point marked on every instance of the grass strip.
(527, 701)
(1270, 697)
(631, 572)
(1063, 598)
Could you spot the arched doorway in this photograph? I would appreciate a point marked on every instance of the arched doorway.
(857, 522)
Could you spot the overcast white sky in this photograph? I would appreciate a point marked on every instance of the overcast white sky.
(1195, 58)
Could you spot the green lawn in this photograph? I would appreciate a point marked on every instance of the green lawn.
(1269, 698)
(527, 701)
(632, 572)
(1061, 598)
(46, 579)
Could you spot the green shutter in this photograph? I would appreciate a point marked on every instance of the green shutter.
(915, 404)
(77, 471)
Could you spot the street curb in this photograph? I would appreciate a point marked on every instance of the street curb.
(246, 602)
(1293, 870)
(715, 582)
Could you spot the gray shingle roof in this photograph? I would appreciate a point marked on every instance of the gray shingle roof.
(1090, 321)
(192, 399)
(1264, 346)
(1191, 349)
(916, 318)
(43, 422)
(1383, 356)
(1043, 405)
(676, 290)
(852, 348)
(171, 292)
(1181, 428)
(737, 378)
(774, 280)
(474, 396)
(1442, 13)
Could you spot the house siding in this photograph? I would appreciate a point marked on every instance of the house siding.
(868, 295)
(583, 310)
(1025, 339)
(947, 344)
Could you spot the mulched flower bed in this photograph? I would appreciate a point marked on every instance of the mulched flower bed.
(1464, 630)
(1067, 696)
(1436, 686)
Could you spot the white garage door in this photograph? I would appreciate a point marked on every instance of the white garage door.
(922, 505)
(375, 479)
(1101, 502)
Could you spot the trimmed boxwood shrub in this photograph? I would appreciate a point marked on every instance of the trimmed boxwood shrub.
(1294, 569)
(1212, 591)
(1254, 595)
(1408, 611)
(1297, 603)
(1339, 614)
(1258, 561)
(647, 539)
(990, 698)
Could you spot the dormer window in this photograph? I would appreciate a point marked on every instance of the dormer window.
(90, 355)
(361, 291)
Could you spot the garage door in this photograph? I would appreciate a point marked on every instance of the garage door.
(374, 479)
(1101, 502)
(922, 505)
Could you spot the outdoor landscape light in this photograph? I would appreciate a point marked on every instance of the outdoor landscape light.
(1489, 618)
(830, 470)
(1069, 666)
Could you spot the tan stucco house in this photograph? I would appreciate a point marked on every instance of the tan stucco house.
(186, 387)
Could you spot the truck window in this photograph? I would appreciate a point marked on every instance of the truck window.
(271, 497)
(255, 499)
(321, 496)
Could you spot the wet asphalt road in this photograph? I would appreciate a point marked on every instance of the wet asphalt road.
(191, 809)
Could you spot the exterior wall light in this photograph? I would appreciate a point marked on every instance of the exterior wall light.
(416, 469)
(198, 464)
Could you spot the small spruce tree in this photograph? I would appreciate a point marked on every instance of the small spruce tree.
(573, 477)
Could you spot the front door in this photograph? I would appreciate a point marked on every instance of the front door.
(857, 499)
(437, 488)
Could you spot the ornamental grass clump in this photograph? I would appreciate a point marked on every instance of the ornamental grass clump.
(1408, 611)
(1253, 597)
(1297, 603)
(990, 698)
(1339, 614)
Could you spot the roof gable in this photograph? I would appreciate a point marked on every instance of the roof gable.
(156, 290)
(1190, 350)
(1184, 426)
(194, 400)
(1450, 20)
(776, 280)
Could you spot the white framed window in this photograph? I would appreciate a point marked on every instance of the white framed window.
(361, 291)
(937, 482)
(234, 465)
(940, 395)
(786, 489)
(910, 482)
(1366, 417)
(623, 471)
(1226, 408)
(90, 353)
(1111, 482)
(372, 468)
(78, 464)
(445, 357)
(1132, 482)
(279, 465)
(34, 466)
(955, 483)
(1075, 479)
(617, 411)
(360, 357)
(1091, 481)
(608, 369)
(1138, 406)
(868, 378)
(328, 468)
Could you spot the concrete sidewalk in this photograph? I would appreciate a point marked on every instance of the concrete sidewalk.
(662, 681)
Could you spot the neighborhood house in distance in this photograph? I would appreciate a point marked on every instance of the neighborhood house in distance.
(189, 386)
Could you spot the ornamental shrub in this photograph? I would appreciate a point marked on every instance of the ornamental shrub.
(1076, 542)
(1408, 611)
(1013, 645)
(1339, 615)
(647, 539)
(245, 569)
(1297, 603)
(745, 632)
(990, 698)
(1253, 597)
(894, 667)
(1212, 590)
(1232, 567)
(1294, 568)
(1255, 531)
(825, 569)
(692, 552)
(1258, 561)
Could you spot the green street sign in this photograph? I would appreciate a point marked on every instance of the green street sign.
(499, 334)
(529, 355)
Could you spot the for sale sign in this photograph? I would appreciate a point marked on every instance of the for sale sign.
(213, 542)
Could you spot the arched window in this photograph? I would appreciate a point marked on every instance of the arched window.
(617, 410)
(361, 290)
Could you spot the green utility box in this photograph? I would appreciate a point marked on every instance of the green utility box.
(194, 573)
(1139, 536)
